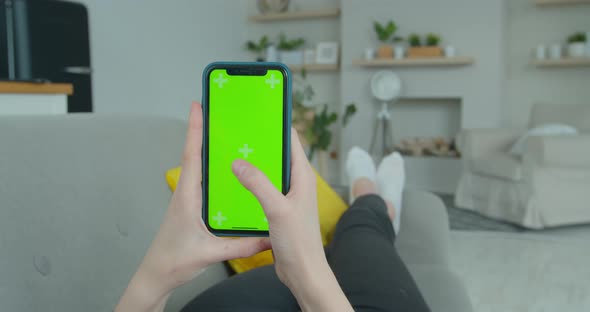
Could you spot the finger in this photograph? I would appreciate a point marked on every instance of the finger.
(258, 184)
(191, 160)
(300, 168)
(234, 248)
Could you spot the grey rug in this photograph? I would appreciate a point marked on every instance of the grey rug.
(465, 220)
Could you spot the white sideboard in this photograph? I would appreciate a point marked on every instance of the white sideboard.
(25, 98)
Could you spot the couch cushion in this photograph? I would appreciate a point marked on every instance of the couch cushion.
(503, 166)
(81, 198)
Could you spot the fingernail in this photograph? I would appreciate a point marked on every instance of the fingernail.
(238, 167)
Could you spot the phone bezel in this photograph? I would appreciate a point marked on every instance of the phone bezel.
(244, 66)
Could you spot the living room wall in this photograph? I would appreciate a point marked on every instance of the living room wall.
(475, 28)
(528, 26)
(148, 55)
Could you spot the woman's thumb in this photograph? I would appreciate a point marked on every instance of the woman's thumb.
(258, 184)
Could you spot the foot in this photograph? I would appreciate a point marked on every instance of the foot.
(390, 181)
(360, 168)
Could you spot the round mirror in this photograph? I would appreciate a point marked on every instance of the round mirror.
(386, 85)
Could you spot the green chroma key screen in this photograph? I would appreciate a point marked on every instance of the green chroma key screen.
(245, 121)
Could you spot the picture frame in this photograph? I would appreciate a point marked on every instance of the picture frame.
(326, 53)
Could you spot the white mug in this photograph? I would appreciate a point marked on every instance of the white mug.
(541, 52)
(272, 54)
(399, 52)
(369, 53)
(555, 51)
(450, 51)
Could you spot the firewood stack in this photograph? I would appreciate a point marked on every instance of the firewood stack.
(438, 147)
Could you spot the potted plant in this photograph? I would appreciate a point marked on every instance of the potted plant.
(431, 47)
(399, 50)
(313, 126)
(384, 33)
(258, 47)
(289, 52)
(576, 45)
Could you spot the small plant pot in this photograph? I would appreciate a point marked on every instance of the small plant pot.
(291, 57)
(577, 49)
(385, 51)
(424, 52)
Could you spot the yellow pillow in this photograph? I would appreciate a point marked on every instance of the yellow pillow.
(330, 208)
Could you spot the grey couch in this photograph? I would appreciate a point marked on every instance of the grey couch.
(81, 197)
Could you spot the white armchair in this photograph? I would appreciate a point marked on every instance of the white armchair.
(548, 186)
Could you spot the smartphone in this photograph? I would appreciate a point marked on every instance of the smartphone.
(247, 115)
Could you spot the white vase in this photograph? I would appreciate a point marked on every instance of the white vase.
(576, 49)
(399, 52)
(450, 51)
(272, 54)
(555, 51)
(291, 57)
(369, 53)
(541, 52)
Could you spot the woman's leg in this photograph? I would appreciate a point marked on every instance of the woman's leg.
(366, 264)
(256, 290)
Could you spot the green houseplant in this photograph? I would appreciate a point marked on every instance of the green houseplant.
(258, 47)
(414, 40)
(432, 40)
(289, 44)
(384, 33)
(576, 45)
(430, 48)
(315, 126)
(577, 37)
(289, 50)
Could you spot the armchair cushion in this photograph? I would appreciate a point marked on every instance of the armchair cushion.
(543, 130)
(475, 143)
(503, 166)
(559, 151)
(577, 116)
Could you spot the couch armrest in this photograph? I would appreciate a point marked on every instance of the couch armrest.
(558, 151)
(424, 233)
(474, 143)
(184, 294)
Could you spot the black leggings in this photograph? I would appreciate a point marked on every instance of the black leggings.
(362, 256)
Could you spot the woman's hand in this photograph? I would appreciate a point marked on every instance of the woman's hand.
(183, 246)
(295, 235)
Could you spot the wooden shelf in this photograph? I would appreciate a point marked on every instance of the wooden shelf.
(560, 2)
(19, 87)
(566, 62)
(406, 62)
(314, 67)
(295, 15)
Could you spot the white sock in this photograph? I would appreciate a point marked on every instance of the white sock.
(390, 181)
(359, 164)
